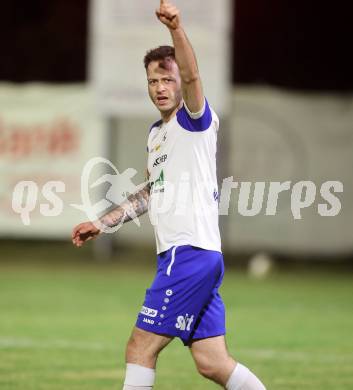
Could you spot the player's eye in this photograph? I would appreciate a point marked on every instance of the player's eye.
(152, 82)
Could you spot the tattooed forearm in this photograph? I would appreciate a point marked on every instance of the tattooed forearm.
(134, 206)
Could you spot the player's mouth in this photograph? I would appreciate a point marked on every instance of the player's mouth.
(162, 100)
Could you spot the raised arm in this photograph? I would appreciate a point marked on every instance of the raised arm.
(134, 206)
(185, 57)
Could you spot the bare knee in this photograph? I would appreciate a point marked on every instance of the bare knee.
(213, 369)
(207, 370)
(143, 348)
(139, 353)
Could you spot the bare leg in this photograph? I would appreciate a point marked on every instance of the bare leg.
(141, 356)
(143, 347)
(214, 362)
(212, 359)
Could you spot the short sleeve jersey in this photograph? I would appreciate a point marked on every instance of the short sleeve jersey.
(183, 204)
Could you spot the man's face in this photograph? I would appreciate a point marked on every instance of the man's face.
(164, 85)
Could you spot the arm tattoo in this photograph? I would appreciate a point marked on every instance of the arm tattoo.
(134, 206)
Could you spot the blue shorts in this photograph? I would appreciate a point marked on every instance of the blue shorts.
(183, 300)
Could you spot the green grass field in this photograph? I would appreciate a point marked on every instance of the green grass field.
(64, 326)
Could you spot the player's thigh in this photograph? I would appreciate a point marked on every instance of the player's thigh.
(143, 347)
(212, 358)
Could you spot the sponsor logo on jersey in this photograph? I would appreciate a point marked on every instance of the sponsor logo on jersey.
(160, 180)
(158, 185)
(149, 312)
(160, 160)
(184, 322)
(148, 321)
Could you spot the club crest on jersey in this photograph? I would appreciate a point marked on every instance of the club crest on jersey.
(184, 322)
(157, 147)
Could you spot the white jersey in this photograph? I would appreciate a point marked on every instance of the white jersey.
(183, 205)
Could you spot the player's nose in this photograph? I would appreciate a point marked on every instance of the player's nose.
(160, 87)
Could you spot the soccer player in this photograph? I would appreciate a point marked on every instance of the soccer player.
(183, 300)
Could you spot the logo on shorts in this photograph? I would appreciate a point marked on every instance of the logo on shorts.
(146, 311)
(148, 321)
(184, 322)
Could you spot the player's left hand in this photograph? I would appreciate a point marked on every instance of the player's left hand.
(168, 14)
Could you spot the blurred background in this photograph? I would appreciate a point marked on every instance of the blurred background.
(72, 87)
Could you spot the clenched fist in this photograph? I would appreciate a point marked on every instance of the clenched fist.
(168, 14)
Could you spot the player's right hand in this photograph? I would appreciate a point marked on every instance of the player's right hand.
(84, 232)
(168, 14)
